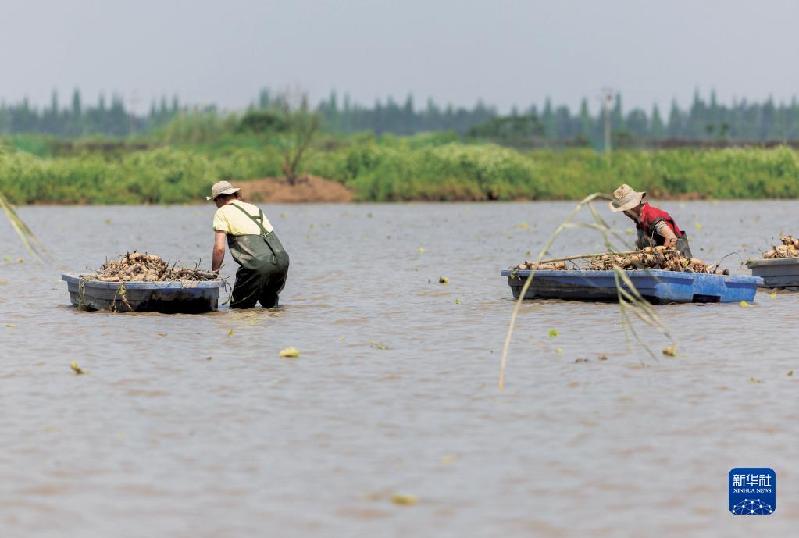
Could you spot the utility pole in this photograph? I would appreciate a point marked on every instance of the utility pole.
(607, 103)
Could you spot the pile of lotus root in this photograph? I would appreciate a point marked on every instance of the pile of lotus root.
(140, 266)
(788, 249)
(648, 258)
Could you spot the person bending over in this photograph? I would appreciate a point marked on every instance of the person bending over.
(655, 227)
(263, 261)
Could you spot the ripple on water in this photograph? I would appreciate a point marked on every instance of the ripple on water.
(194, 426)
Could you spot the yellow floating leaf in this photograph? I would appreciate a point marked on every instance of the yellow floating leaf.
(457, 301)
(449, 459)
(230, 332)
(420, 250)
(75, 368)
(290, 353)
(743, 304)
(443, 280)
(552, 333)
(773, 294)
(755, 380)
(790, 373)
(670, 351)
(698, 226)
(404, 499)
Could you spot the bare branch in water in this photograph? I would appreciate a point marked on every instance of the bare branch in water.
(32, 244)
(630, 300)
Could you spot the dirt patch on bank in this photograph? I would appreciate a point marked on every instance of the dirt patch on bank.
(307, 189)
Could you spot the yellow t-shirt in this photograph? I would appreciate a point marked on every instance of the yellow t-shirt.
(232, 221)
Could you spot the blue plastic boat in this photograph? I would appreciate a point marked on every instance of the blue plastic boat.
(173, 296)
(655, 285)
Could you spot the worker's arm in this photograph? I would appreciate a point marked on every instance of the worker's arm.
(664, 230)
(219, 251)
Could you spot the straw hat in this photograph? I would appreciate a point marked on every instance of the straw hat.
(625, 198)
(221, 187)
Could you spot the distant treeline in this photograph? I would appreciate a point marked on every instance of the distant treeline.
(77, 118)
(705, 121)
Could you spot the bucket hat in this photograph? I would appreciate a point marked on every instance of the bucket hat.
(625, 198)
(221, 187)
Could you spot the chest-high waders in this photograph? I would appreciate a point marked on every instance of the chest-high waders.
(264, 266)
(650, 238)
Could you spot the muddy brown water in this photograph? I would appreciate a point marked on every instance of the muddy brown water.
(193, 426)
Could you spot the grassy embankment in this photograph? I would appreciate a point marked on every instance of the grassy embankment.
(423, 167)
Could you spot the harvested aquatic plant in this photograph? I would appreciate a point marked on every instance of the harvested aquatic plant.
(789, 248)
(554, 266)
(140, 266)
(647, 258)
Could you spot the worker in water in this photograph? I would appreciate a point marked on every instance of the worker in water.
(253, 244)
(655, 226)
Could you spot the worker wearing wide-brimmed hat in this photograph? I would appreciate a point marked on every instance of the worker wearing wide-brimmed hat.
(655, 226)
(253, 244)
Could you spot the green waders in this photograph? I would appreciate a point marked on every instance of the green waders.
(264, 266)
(655, 239)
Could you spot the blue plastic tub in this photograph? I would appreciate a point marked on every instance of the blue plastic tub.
(173, 296)
(655, 285)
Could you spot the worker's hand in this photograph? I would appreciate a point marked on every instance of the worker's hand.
(671, 242)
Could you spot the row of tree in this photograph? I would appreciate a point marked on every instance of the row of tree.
(77, 118)
(705, 120)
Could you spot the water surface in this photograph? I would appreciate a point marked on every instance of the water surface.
(193, 426)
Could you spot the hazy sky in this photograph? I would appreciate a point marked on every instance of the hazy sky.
(457, 51)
